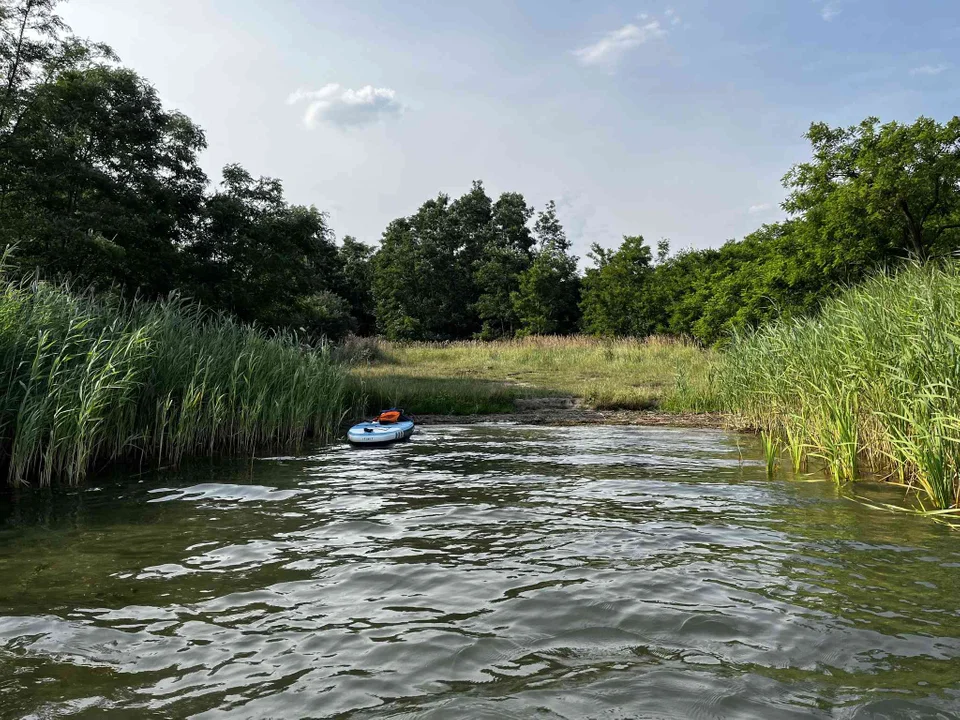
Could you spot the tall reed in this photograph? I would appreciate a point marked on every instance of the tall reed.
(87, 380)
(871, 383)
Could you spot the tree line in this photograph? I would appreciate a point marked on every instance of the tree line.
(100, 183)
(872, 197)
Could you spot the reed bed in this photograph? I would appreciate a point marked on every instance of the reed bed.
(467, 377)
(86, 380)
(869, 384)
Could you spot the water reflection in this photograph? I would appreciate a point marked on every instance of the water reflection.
(485, 571)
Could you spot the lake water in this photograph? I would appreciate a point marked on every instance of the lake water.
(478, 572)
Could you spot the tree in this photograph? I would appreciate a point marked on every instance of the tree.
(356, 284)
(471, 216)
(33, 50)
(96, 180)
(505, 258)
(394, 283)
(614, 295)
(99, 182)
(267, 261)
(875, 192)
(422, 286)
(546, 302)
(429, 266)
(871, 196)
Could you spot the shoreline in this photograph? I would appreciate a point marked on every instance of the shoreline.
(567, 417)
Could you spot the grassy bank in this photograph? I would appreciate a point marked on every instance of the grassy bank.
(481, 377)
(85, 381)
(872, 383)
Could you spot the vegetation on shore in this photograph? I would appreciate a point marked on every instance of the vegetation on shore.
(471, 377)
(870, 383)
(86, 380)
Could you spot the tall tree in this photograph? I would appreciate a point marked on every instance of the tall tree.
(547, 301)
(395, 283)
(425, 273)
(420, 284)
(615, 292)
(874, 192)
(267, 261)
(98, 181)
(34, 48)
(506, 256)
(471, 216)
(356, 259)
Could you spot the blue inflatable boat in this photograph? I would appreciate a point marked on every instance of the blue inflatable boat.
(388, 427)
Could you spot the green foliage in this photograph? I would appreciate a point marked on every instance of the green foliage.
(709, 294)
(99, 183)
(498, 278)
(321, 315)
(880, 190)
(420, 289)
(456, 270)
(871, 196)
(356, 260)
(264, 260)
(547, 300)
(87, 380)
(615, 292)
(505, 258)
(873, 382)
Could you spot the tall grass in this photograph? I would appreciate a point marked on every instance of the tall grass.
(84, 380)
(871, 383)
(473, 376)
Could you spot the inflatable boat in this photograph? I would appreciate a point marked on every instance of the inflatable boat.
(388, 427)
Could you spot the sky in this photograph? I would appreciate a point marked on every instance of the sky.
(671, 120)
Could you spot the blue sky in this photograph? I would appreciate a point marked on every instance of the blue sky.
(671, 120)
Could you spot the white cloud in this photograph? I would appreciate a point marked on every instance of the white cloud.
(929, 69)
(757, 209)
(672, 16)
(829, 11)
(346, 108)
(612, 46)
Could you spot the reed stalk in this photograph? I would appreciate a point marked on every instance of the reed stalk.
(869, 384)
(87, 380)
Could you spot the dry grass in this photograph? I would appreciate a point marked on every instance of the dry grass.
(473, 376)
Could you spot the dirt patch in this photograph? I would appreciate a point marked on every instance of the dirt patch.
(545, 403)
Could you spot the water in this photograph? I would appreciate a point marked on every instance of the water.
(478, 572)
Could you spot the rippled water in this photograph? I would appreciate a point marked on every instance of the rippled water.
(478, 572)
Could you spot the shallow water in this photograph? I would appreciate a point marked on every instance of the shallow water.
(478, 572)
